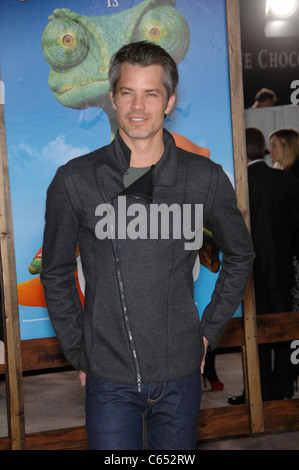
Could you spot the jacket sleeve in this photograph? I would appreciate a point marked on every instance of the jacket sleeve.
(59, 266)
(229, 230)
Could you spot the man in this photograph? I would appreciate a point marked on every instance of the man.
(139, 342)
(264, 98)
(274, 213)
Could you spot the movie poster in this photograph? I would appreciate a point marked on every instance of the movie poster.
(56, 105)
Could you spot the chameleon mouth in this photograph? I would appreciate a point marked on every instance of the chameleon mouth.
(65, 90)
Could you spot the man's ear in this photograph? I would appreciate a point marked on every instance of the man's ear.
(170, 104)
(113, 101)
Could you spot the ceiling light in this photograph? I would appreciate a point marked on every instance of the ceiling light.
(282, 8)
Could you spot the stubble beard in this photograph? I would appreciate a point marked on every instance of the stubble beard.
(138, 133)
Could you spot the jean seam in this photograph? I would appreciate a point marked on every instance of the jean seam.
(144, 429)
(144, 416)
(150, 401)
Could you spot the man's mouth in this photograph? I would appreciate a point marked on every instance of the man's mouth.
(137, 118)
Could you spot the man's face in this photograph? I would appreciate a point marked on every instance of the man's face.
(265, 104)
(141, 102)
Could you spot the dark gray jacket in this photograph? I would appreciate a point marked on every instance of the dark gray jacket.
(139, 322)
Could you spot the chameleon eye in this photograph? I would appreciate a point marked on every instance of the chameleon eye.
(154, 33)
(166, 27)
(65, 43)
(68, 40)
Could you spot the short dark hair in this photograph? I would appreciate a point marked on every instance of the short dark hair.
(266, 94)
(255, 143)
(144, 53)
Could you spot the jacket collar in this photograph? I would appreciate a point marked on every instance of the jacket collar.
(255, 163)
(165, 169)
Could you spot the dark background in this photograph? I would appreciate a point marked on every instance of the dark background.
(276, 77)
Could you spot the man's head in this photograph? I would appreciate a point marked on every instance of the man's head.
(265, 98)
(143, 80)
(255, 143)
(143, 54)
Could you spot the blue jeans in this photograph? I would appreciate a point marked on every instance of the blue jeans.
(163, 416)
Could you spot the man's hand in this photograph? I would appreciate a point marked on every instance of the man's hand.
(82, 378)
(206, 344)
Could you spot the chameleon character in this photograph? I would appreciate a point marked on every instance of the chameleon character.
(78, 48)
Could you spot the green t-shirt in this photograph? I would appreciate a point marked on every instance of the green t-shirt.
(133, 173)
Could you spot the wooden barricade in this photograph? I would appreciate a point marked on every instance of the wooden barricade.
(237, 419)
(9, 303)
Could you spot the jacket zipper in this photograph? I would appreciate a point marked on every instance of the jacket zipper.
(123, 302)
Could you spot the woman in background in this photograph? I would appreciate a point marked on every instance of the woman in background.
(284, 149)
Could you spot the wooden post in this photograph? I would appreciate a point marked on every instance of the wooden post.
(14, 379)
(241, 186)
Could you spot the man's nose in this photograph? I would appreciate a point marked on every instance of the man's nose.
(138, 102)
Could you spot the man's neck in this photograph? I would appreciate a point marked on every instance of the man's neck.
(144, 152)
